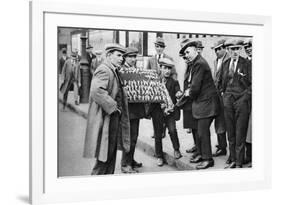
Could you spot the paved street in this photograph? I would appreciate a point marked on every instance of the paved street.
(71, 139)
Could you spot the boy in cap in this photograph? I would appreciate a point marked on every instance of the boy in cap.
(136, 112)
(108, 117)
(171, 116)
(70, 75)
(235, 85)
(205, 100)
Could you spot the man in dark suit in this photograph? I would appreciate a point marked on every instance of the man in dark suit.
(220, 127)
(205, 102)
(136, 112)
(189, 122)
(248, 145)
(235, 85)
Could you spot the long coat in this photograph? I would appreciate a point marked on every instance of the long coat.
(205, 100)
(70, 74)
(217, 70)
(188, 120)
(104, 88)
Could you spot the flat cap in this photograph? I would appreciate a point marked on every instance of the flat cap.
(199, 44)
(188, 44)
(233, 43)
(219, 43)
(114, 47)
(248, 42)
(160, 42)
(131, 51)
(166, 62)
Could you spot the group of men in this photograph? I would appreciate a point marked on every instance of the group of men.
(222, 94)
(69, 71)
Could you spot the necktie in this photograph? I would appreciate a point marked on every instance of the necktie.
(232, 68)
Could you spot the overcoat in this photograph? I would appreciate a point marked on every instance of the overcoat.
(104, 88)
(70, 73)
(217, 70)
(205, 99)
(188, 120)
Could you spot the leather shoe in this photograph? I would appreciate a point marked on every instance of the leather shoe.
(247, 160)
(193, 149)
(205, 164)
(228, 161)
(177, 154)
(220, 152)
(238, 166)
(196, 159)
(231, 165)
(160, 162)
(128, 170)
(136, 164)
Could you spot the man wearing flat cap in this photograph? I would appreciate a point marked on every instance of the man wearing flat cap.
(220, 127)
(235, 83)
(189, 122)
(205, 100)
(248, 145)
(136, 112)
(108, 117)
(70, 76)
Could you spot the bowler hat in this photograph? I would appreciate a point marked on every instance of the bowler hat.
(114, 47)
(166, 62)
(130, 51)
(218, 44)
(188, 44)
(160, 42)
(230, 43)
(199, 44)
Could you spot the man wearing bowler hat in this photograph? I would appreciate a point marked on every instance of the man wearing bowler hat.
(136, 112)
(220, 127)
(108, 117)
(235, 86)
(205, 101)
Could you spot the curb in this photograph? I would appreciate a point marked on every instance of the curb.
(179, 164)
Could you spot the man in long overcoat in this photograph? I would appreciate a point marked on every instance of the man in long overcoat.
(70, 75)
(205, 102)
(108, 120)
(220, 126)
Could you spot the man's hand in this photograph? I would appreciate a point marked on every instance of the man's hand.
(163, 106)
(187, 92)
(178, 94)
(117, 111)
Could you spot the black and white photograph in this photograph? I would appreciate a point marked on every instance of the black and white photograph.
(148, 102)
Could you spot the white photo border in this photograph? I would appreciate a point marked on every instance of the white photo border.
(45, 187)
